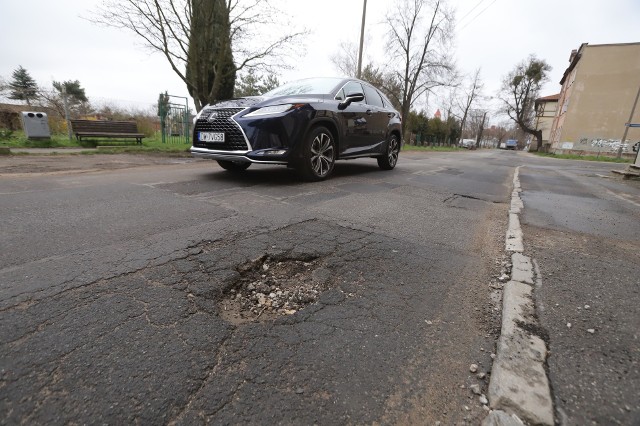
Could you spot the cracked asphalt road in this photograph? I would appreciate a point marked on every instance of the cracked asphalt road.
(110, 283)
(584, 232)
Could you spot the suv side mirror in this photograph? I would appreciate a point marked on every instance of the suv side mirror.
(351, 97)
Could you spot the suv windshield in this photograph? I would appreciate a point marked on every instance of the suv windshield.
(318, 86)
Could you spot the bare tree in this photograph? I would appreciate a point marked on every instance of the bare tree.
(470, 94)
(476, 119)
(520, 89)
(237, 33)
(501, 132)
(447, 101)
(346, 59)
(505, 129)
(384, 81)
(420, 34)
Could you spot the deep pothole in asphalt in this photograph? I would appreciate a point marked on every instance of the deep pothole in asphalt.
(270, 287)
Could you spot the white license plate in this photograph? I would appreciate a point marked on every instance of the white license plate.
(211, 137)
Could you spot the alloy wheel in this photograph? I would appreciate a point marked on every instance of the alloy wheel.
(393, 151)
(322, 154)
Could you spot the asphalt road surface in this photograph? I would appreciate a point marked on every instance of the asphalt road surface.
(129, 290)
(583, 228)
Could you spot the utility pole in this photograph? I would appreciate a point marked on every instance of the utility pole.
(66, 110)
(364, 15)
(626, 126)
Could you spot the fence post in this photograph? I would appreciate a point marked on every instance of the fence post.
(66, 110)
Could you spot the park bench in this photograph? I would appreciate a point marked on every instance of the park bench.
(106, 129)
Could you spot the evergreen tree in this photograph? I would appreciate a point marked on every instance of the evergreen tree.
(210, 69)
(76, 97)
(163, 106)
(247, 85)
(73, 88)
(251, 84)
(270, 82)
(22, 87)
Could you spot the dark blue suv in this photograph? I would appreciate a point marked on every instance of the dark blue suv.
(306, 124)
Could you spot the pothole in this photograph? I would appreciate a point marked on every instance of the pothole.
(272, 287)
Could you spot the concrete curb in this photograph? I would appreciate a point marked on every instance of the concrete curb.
(514, 233)
(519, 388)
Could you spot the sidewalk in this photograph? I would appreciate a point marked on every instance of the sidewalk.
(582, 232)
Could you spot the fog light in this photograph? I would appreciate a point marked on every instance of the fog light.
(271, 152)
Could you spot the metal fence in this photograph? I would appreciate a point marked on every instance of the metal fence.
(174, 120)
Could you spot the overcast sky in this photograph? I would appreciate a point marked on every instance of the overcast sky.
(52, 41)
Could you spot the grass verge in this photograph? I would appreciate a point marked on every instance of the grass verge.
(585, 157)
(150, 145)
(431, 148)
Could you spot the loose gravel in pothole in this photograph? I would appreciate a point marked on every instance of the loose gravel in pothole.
(269, 288)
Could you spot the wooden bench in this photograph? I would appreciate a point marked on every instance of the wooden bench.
(106, 129)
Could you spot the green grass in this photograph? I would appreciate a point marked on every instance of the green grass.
(432, 148)
(585, 157)
(19, 140)
(150, 145)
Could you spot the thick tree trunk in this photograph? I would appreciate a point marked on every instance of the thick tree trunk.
(538, 143)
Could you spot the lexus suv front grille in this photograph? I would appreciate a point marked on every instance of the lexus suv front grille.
(220, 121)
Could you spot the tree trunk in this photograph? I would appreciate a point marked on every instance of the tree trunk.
(480, 130)
(538, 144)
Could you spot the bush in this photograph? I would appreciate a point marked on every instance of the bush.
(147, 125)
(57, 125)
(5, 134)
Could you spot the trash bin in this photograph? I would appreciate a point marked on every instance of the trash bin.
(36, 125)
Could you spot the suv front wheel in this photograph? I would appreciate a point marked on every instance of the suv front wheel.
(318, 155)
(390, 158)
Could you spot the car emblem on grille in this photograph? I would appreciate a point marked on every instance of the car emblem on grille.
(213, 116)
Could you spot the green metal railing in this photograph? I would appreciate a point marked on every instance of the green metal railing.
(175, 125)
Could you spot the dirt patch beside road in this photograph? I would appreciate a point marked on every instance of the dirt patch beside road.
(16, 165)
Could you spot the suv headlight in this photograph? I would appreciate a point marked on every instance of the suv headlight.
(275, 109)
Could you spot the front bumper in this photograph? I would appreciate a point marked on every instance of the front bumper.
(257, 157)
(263, 140)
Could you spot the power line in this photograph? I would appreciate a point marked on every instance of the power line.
(481, 12)
(472, 9)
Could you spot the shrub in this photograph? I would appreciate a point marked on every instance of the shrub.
(147, 125)
(57, 125)
(5, 134)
